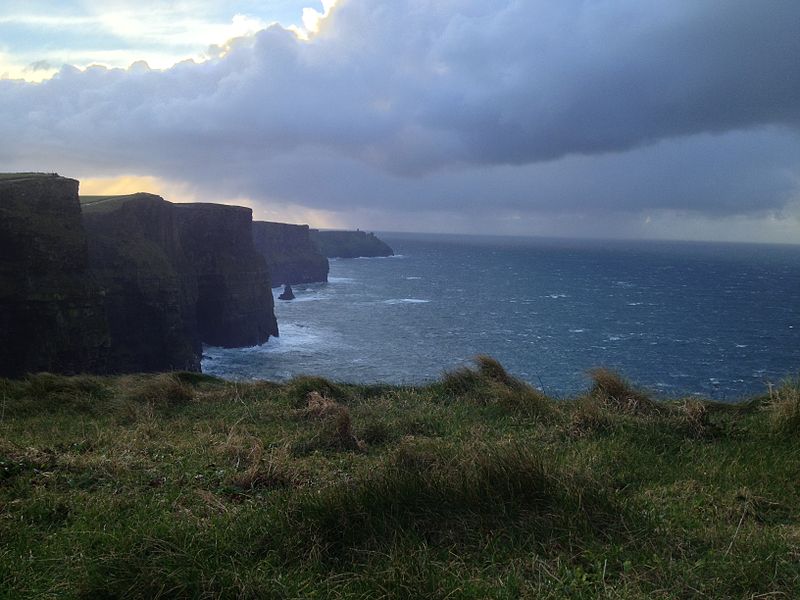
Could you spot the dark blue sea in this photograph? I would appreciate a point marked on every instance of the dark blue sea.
(678, 318)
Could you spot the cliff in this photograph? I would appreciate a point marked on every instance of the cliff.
(235, 305)
(349, 244)
(290, 254)
(149, 285)
(176, 276)
(51, 313)
(128, 284)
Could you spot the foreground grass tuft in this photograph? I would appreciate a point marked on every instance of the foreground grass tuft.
(488, 383)
(334, 427)
(786, 408)
(618, 394)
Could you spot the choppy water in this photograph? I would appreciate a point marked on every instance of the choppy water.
(716, 319)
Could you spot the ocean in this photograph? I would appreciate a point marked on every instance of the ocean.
(678, 318)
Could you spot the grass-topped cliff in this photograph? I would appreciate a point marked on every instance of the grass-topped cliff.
(474, 486)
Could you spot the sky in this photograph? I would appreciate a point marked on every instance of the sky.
(666, 119)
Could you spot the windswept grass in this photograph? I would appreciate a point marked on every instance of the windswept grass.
(476, 486)
(439, 495)
(616, 393)
(488, 383)
(786, 408)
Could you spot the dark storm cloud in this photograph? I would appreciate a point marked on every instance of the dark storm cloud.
(592, 105)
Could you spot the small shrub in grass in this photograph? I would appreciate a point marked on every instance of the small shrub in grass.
(589, 416)
(696, 415)
(616, 393)
(319, 406)
(241, 449)
(785, 407)
(333, 425)
(298, 388)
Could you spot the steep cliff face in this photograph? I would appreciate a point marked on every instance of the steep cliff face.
(149, 286)
(290, 254)
(134, 283)
(235, 305)
(51, 313)
(349, 244)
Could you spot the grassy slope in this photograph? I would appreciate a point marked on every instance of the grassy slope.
(476, 486)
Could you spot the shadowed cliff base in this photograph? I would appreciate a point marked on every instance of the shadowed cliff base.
(139, 484)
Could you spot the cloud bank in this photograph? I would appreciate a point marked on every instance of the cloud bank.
(461, 113)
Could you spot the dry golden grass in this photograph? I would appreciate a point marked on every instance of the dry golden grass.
(618, 394)
(785, 407)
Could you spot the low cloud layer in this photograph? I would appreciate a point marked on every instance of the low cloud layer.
(510, 111)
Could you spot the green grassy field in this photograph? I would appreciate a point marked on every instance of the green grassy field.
(476, 486)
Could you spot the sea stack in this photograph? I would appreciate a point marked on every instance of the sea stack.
(287, 294)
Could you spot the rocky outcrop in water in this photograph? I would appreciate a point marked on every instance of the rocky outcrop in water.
(349, 244)
(290, 254)
(288, 293)
(51, 313)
